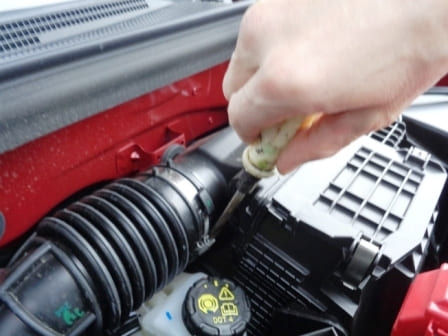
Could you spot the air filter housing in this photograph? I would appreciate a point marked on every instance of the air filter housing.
(342, 237)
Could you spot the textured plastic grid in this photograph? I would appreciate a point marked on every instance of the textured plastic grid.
(271, 281)
(372, 193)
(391, 135)
(23, 33)
(143, 20)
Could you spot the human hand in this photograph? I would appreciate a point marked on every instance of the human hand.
(358, 63)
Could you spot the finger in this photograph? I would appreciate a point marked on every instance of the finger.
(239, 71)
(331, 133)
(249, 112)
(261, 103)
(243, 109)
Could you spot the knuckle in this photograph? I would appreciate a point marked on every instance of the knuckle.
(282, 79)
(275, 82)
(310, 84)
(270, 86)
(240, 112)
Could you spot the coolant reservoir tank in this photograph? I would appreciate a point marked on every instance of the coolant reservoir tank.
(162, 314)
(196, 305)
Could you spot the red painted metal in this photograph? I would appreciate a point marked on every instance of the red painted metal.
(425, 308)
(127, 138)
(443, 81)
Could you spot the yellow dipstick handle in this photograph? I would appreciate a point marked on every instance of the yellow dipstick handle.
(260, 158)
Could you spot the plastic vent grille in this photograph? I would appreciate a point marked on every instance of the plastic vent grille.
(24, 33)
(271, 282)
(391, 135)
(371, 193)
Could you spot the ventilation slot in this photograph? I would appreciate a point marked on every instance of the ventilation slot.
(24, 33)
(271, 282)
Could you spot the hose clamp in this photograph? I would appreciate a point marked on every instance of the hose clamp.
(196, 197)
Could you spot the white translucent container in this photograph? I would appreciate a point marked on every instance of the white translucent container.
(162, 314)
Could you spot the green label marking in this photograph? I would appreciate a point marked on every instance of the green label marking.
(69, 314)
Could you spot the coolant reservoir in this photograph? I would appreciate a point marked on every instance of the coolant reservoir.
(194, 304)
(162, 314)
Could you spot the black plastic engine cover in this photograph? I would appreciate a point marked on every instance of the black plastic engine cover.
(342, 236)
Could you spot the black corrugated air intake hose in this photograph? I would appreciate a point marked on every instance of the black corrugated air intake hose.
(90, 264)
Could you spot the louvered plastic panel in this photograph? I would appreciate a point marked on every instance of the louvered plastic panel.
(372, 193)
(19, 34)
(391, 135)
(86, 24)
(272, 281)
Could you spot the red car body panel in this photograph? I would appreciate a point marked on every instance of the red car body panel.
(125, 139)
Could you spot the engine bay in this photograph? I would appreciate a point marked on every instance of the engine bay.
(314, 252)
(116, 160)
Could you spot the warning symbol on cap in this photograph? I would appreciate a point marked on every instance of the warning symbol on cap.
(226, 294)
(208, 303)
